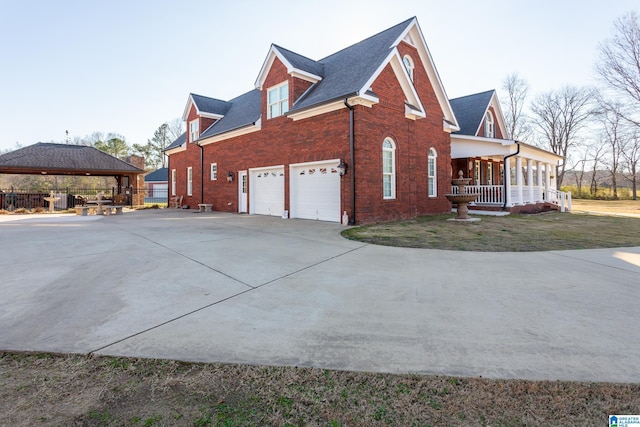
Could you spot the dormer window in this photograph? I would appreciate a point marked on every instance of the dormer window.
(194, 130)
(408, 64)
(489, 125)
(277, 100)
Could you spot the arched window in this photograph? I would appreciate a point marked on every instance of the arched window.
(389, 169)
(408, 64)
(488, 125)
(432, 173)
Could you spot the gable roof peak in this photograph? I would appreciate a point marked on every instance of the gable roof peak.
(206, 106)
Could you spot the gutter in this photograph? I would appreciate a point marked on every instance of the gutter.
(352, 217)
(504, 178)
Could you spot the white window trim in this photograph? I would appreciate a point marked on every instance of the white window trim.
(214, 171)
(391, 174)
(189, 181)
(194, 130)
(489, 125)
(281, 110)
(409, 65)
(174, 180)
(432, 174)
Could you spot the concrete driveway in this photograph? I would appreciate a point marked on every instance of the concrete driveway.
(232, 288)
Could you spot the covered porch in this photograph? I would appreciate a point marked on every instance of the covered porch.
(507, 174)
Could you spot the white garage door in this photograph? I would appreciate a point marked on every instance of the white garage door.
(315, 191)
(266, 190)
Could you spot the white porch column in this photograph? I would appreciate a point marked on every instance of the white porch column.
(547, 181)
(530, 198)
(539, 180)
(507, 182)
(519, 179)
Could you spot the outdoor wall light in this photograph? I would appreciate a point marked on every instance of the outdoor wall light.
(230, 176)
(342, 168)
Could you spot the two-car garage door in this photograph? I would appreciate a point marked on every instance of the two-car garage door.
(314, 191)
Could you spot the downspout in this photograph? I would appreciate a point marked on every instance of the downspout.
(352, 217)
(169, 182)
(201, 172)
(504, 178)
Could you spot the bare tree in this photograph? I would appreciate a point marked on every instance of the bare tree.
(516, 121)
(613, 136)
(631, 156)
(559, 118)
(175, 129)
(619, 64)
(596, 152)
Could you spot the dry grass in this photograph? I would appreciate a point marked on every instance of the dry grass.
(616, 207)
(513, 233)
(45, 389)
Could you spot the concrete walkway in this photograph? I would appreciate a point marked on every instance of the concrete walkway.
(232, 288)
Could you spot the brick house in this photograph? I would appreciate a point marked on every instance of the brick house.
(364, 132)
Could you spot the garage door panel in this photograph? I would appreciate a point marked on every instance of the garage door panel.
(315, 192)
(267, 191)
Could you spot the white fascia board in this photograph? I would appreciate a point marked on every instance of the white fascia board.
(266, 65)
(365, 100)
(476, 146)
(413, 114)
(291, 70)
(495, 102)
(536, 153)
(211, 115)
(403, 78)
(498, 117)
(304, 75)
(191, 102)
(316, 111)
(448, 127)
(187, 107)
(427, 61)
(232, 133)
(463, 147)
(177, 149)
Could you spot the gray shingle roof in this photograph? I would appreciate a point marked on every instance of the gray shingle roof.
(301, 62)
(158, 175)
(470, 110)
(178, 142)
(243, 111)
(343, 74)
(346, 71)
(210, 105)
(52, 157)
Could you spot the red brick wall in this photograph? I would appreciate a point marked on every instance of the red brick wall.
(282, 141)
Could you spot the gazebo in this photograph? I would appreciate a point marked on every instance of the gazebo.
(81, 160)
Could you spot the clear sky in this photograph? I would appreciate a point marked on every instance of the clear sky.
(127, 66)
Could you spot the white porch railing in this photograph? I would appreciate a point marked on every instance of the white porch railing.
(488, 194)
(560, 198)
(494, 195)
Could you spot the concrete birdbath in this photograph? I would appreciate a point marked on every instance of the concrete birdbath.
(52, 200)
(462, 199)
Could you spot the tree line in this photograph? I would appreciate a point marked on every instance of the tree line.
(592, 127)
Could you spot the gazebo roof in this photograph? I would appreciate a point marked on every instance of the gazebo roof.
(64, 159)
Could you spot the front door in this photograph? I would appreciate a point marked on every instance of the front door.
(242, 192)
